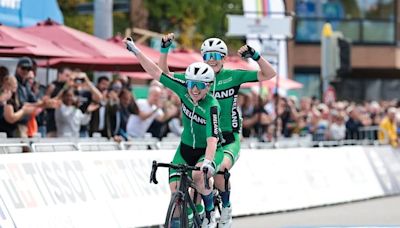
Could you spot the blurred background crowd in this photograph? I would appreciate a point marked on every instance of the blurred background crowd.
(74, 106)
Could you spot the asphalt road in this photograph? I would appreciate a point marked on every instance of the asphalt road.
(380, 212)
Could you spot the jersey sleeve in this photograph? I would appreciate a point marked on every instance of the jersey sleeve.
(179, 76)
(243, 76)
(175, 84)
(212, 122)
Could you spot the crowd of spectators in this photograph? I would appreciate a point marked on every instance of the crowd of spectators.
(74, 106)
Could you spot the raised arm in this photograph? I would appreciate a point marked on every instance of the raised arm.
(148, 65)
(166, 42)
(266, 71)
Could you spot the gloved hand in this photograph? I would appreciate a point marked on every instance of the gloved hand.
(166, 42)
(209, 165)
(248, 52)
(130, 45)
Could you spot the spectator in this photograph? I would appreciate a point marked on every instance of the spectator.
(353, 124)
(24, 95)
(175, 122)
(116, 86)
(100, 121)
(337, 129)
(13, 111)
(127, 107)
(69, 117)
(159, 126)
(388, 128)
(53, 90)
(149, 110)
(86, 93)
(3, 72)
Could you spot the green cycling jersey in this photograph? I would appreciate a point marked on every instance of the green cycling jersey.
(225, 90)
(199, 121)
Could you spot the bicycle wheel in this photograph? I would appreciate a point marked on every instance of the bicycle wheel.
(177, 209)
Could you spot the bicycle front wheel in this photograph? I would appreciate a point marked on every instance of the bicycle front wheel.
(177, 212)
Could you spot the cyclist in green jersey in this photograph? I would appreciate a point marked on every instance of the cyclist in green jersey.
(200, 117)
(225, 89)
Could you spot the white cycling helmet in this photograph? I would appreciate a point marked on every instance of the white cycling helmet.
(199, 71)
(214, 44)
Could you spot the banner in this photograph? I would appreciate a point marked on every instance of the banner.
(272, 48)
(385, 162)
(112, 189)
(285, 179)
(75, 189)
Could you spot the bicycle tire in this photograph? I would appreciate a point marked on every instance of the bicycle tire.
(177, 202)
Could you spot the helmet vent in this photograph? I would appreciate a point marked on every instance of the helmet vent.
(205, 71)
(196, 69)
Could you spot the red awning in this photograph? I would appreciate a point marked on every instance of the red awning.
(99, 55)
(15, 43)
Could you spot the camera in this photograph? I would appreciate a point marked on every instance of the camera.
(79, 80)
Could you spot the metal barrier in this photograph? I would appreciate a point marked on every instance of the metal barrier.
(98, 146)
(54, 147)
(11, 148)
(367, 135)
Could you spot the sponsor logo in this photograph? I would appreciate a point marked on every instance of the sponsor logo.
(224, 81)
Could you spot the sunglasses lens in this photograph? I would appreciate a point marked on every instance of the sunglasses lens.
(199, 85)
(215, 55)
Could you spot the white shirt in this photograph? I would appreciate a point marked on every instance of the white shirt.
(69, 120)
(137, 127)
(338, 131)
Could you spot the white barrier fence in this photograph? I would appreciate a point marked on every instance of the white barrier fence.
(112, 189)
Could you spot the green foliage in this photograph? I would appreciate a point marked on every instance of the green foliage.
(73, 19)
(192, 20)
(121, 22)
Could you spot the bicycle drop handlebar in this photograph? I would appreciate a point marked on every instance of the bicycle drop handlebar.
(185, 168)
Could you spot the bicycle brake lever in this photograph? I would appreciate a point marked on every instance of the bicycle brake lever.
(205, 172)
(153, 177)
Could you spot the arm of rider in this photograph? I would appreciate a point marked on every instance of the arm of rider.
(149, 66)
(166, 42)
(266, 71)
(210, 153)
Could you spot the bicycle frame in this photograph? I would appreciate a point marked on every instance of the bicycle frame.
(182, 194)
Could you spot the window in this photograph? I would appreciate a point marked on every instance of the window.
(362, 21)
(311, 84)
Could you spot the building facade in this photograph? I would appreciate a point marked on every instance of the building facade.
(373, 28)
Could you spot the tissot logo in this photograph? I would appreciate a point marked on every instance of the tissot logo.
(224, 93)
(189, 114)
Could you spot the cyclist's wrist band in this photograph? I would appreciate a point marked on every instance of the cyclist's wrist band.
(256, 56)
(164, 50)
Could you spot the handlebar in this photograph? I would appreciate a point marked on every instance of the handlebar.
(185, 168)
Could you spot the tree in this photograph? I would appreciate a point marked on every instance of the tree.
(73, 19)
(192, 20)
